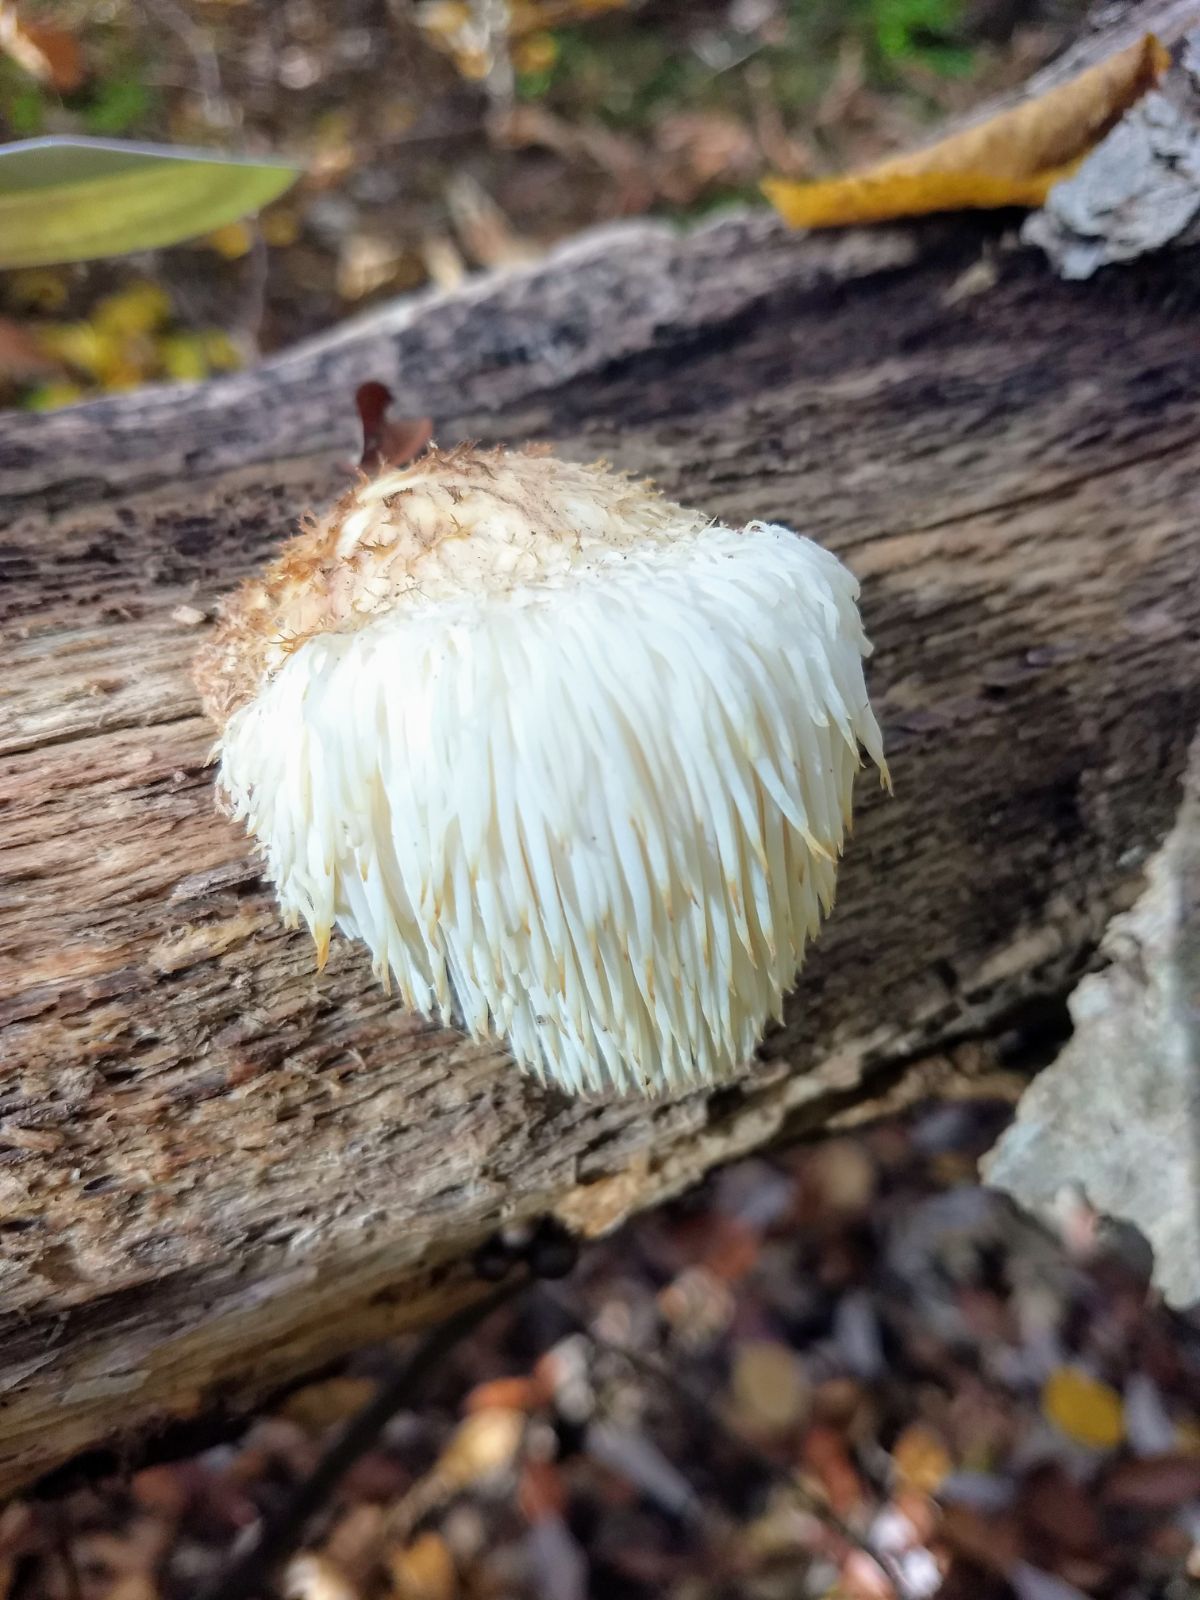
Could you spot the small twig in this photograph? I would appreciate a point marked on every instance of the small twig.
(249, 1573)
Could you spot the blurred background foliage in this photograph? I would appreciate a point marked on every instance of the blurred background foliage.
(446, 136)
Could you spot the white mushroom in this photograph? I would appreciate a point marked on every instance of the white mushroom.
(575, 763)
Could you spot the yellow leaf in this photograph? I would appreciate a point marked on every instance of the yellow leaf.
(840, 202)
(122, 375)
(921, 1458)
(424, 1570)
(82, 345)
(231, 242)
(220, 351)
(141, 308)
(1012, 159)
(182, 357)
(1086, 1410)
(537, 53)
(37, 289)
(280, 225)
(52, 396)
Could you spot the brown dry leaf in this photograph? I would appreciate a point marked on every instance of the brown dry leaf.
(484, 1443)
(318, 1405)
(1012, 159)
(139, 1587)
(1156, 1483)
(825, 1457)
(770, 1391)
(22, 356)
(541, 1492)
(49, 54)
(507, 1394)
(921, 1458)
(993, 1542)
(423, 1570)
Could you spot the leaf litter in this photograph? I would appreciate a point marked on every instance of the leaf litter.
(841, 1372)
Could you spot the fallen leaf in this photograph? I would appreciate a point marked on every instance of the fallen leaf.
(1060, 1511)
(22, 356)
(1155, 1483)
(315, 1578)
(423, 1570)
(824, 1454)
(509, 1394)
(1012, 159)
(1086, 1410)
(353, 1543)
(53, 396)
(182, 357)
(143, 307)
(317, 1406)
(134, 1586)
(993, 1542)
(541, 1492)
(49, 54)
(921, 1459)
(878, 197)
(484, 1443)
(769, 1388)
(231, 242)
(165, 1491)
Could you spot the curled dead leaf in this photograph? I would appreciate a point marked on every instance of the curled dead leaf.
(1012, 159)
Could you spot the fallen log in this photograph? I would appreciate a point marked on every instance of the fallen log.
(219, 1167)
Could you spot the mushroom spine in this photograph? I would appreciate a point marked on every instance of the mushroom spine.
(575, 763)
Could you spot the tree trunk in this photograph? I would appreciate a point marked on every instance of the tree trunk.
(218, 1167)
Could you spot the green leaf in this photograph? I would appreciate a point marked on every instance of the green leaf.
(25, 110)
(76, 199)
(116, 106)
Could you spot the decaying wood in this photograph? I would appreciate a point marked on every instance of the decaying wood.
(219, 1167)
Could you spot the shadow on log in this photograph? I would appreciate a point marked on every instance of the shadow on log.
(219, 1168)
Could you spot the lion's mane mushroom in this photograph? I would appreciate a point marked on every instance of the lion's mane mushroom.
(575, 763)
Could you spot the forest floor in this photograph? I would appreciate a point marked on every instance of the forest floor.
(434, 146)
(844, 1370)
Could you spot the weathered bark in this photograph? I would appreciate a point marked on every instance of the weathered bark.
(218, 1167)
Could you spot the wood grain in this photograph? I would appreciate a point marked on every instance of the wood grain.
(219, 1168)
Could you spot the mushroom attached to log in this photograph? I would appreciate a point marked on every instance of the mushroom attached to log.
(574, 762)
